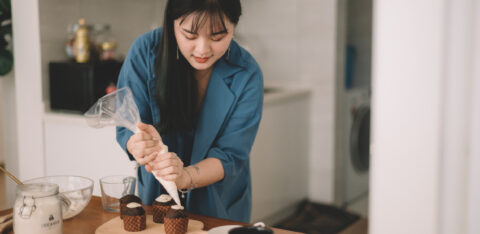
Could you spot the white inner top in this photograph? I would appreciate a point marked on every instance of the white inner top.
(177, 207)
(133, 205)
(164, 198)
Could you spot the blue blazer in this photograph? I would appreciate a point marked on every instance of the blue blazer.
(226, 128)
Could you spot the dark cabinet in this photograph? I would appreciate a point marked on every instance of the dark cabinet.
(77, 86)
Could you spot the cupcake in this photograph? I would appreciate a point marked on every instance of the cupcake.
(176, 220)
(134, 217)
(127, 199)
(161, 206)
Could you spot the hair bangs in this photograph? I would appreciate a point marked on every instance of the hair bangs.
(214, 15)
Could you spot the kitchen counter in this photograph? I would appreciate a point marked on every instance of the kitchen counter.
(93, 216)
(278, 94)
(272, 95)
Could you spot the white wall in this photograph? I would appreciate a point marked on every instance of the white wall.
(460, 119)
(425, 122)
(318, 49)
(27, 89)
(473, 190)
(340, 110)
(406, 104)
(8, 131)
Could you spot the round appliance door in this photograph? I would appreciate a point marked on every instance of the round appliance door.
(360, 139)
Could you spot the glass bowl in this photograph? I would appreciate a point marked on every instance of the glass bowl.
(77, 189)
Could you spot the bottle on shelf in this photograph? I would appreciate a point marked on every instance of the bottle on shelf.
(82, 44)
(108, 51)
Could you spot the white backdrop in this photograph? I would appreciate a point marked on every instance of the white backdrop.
(426, 117)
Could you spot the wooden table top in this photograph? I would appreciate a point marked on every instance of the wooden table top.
(94, 215)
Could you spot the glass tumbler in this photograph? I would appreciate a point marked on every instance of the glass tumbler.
(115, 187)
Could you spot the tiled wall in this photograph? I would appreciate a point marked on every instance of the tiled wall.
(268, 28)
(288, 39)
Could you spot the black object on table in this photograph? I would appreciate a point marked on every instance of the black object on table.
(251, 230)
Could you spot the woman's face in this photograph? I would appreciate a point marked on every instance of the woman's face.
(204, 47)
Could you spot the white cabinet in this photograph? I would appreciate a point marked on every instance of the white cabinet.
(73, 148)
(280, 155)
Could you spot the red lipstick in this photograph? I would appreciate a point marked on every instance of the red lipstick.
(201, 60)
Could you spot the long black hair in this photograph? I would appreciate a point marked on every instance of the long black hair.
(176, 87)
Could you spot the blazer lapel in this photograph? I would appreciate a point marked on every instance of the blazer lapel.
(216, 106)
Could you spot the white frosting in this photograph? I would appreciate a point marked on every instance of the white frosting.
(177, 207)
(164, 198)
(133, 205)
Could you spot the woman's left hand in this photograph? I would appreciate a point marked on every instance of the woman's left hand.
(168, 166)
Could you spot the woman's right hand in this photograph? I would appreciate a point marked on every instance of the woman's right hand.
(145, 144)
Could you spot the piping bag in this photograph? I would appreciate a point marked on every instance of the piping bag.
(119, 109)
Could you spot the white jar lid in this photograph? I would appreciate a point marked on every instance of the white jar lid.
(37, 190)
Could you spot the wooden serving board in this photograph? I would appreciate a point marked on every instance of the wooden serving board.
(115, 226)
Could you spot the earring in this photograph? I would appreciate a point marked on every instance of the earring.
(228, 54)
(178, 57)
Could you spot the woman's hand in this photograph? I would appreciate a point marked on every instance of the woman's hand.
(145, 144)
(169, 167)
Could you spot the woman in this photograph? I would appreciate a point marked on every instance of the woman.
(200, 94)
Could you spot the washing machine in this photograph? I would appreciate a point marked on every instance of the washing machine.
(356, 147)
